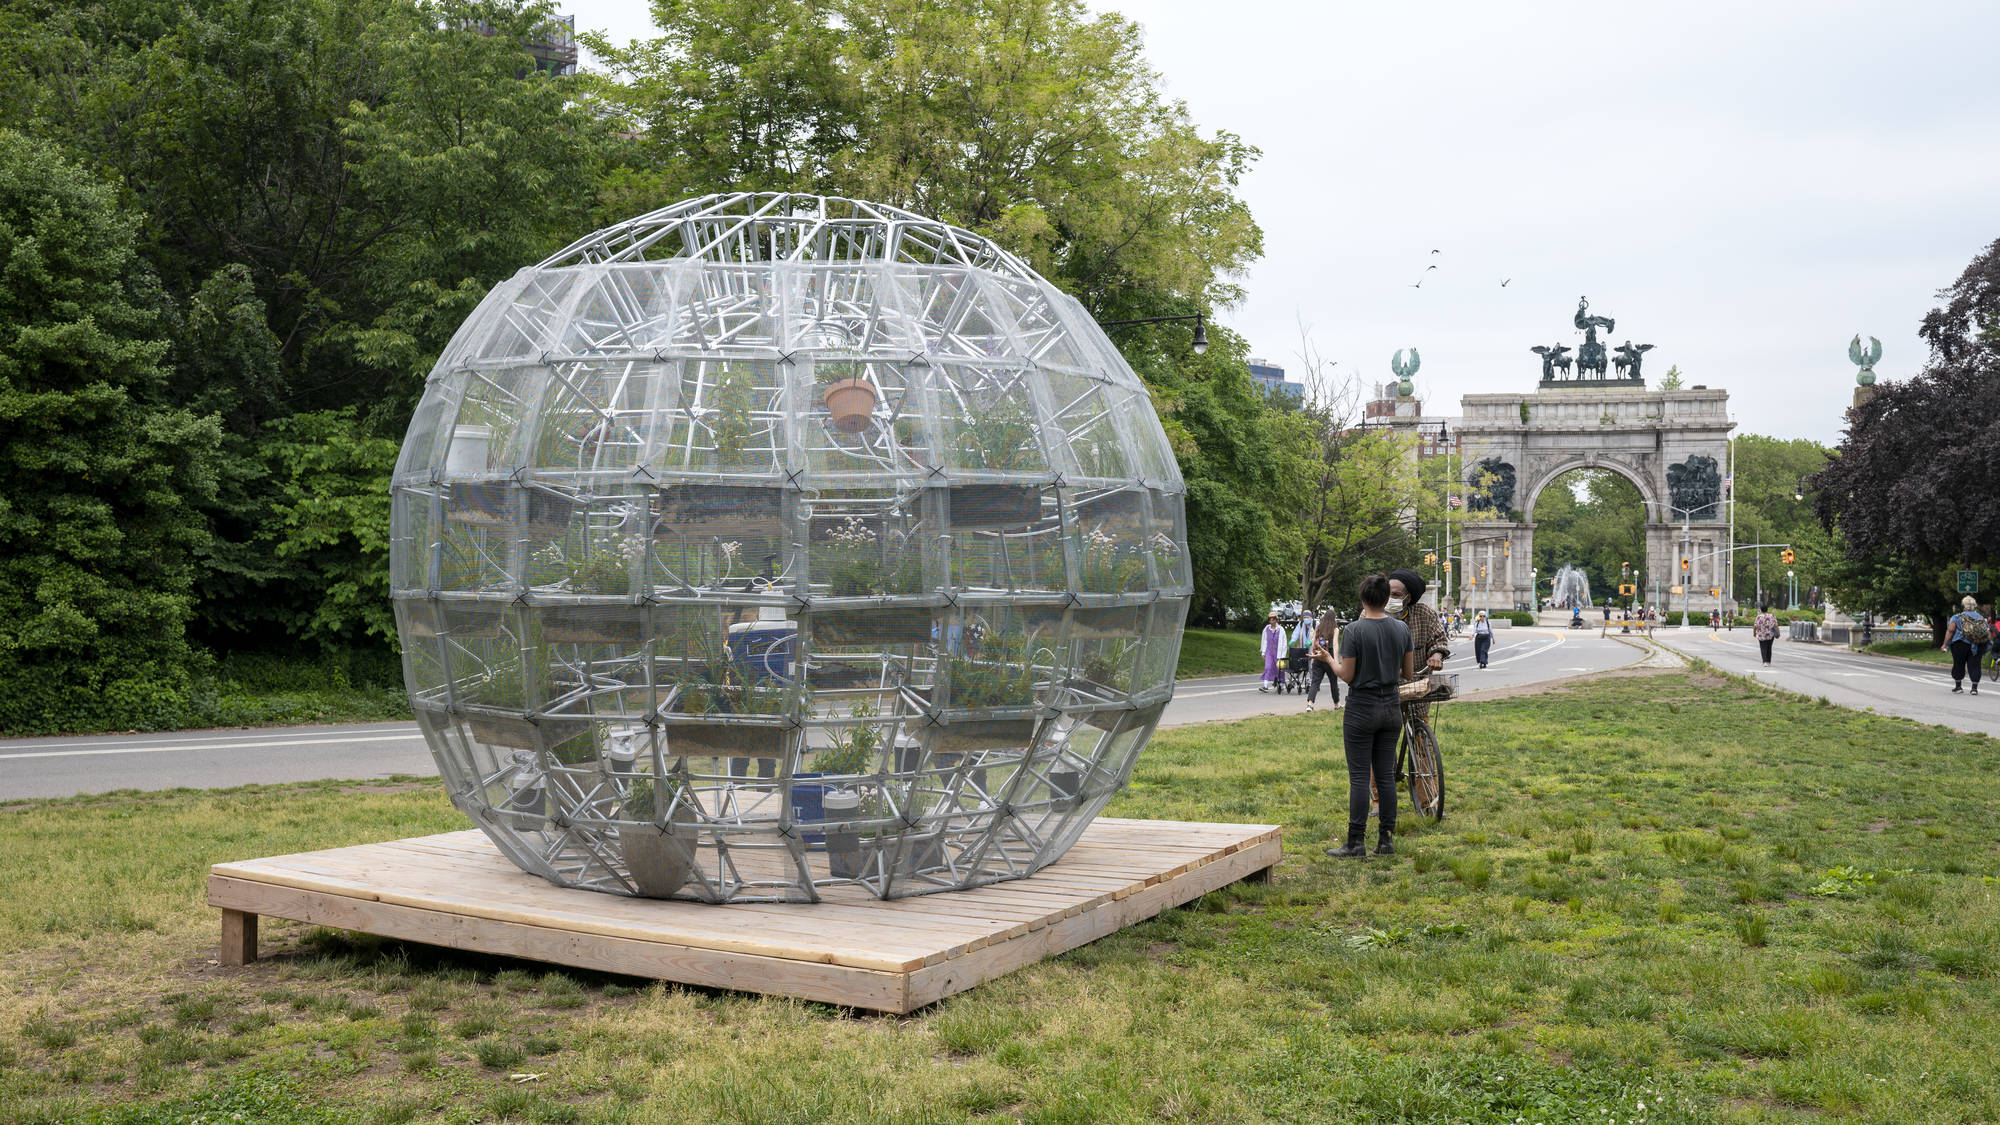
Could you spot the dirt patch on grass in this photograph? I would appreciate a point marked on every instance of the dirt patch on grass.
(1546, 687)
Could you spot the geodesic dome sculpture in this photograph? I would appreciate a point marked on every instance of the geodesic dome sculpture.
(769, 543)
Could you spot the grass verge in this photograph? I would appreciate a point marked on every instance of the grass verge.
(1666, 899)
(1921, 651)
(1218, 652)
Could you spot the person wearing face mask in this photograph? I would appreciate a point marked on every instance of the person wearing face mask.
(1427, 636)
(1374, 656)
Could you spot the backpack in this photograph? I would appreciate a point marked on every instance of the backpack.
(1974, 628)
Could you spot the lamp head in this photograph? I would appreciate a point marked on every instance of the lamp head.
(1200, 335)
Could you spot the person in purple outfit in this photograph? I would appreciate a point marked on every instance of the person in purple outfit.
(1274, 644)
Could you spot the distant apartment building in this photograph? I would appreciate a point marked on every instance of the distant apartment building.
(1271, 377)
(553, 47)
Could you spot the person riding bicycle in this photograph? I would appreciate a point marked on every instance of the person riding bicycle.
(1375, 655)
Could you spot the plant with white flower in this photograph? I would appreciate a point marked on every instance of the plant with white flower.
(1109, 565)
(850, 557)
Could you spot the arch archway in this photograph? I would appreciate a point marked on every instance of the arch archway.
(1672, 446)
(1591, 515)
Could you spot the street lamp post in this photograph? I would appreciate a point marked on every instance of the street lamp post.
(1687, 552)
(1793, 585)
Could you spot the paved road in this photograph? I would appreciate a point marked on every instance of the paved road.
(1850, 679)
(61, 767)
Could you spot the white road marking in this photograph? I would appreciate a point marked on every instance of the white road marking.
(266, 745)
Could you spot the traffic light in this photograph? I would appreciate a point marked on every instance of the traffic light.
(1507, 548)
(1430, 558)
(1684, 566)
(1447, 566)
(1788, 555)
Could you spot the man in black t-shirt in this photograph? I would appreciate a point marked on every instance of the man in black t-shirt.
(1375, 656)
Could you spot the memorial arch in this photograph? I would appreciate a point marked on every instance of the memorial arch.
(1673, 446)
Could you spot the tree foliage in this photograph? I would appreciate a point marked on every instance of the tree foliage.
(1915, 483)
(99, 477)
(1601, 532)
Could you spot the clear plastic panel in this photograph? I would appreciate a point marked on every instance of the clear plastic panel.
(726, 418)
(626, 309)
(988, 419)
(527, 320)
(1084, 416)
(1109, 536)
(599, 420)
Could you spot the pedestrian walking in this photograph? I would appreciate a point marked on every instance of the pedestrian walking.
(1765, 630)
(1482, 638)
(1965, 635)
(1375, 656)
(1326, 637)
(1274, 644)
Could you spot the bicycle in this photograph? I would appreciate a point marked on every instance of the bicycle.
(1419, 762)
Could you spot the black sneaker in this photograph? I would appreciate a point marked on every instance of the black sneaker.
(1351, 851)
(1385, 848)
(1956, 688)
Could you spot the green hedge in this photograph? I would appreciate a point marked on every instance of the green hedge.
(1517, 618)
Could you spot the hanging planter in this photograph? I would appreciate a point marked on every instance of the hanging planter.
(850, 404)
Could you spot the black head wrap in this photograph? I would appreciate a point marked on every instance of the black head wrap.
(1413, 583)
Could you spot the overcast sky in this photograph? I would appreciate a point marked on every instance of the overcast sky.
(1745, 185)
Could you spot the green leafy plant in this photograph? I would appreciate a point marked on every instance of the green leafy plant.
(1107, 564)
(1843, 881)
(735, 394)
(853, 747)
(1002, 675)
(1000, 436)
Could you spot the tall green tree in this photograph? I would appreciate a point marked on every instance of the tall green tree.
(100, 479)
(1914, 484)
(1034, 122)
(1601, 532)
(1769, 473)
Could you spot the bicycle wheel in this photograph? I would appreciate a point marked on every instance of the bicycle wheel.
(1425, 770)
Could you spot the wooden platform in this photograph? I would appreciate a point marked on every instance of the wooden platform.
(456, 890)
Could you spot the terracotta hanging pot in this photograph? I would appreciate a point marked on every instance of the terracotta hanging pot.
(851, 403)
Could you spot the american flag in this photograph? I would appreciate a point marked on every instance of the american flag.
(1729, 481)
(1454, 501)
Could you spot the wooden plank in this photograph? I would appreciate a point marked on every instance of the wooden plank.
(930, 985)
(239, 938)
(456, 889)
(708, 968)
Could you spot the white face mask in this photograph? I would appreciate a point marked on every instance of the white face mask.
(1395, 605)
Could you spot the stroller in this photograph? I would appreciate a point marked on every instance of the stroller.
(1297, 663)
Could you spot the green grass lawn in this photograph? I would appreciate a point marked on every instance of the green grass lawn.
(1911, 650)
(1217, 652)
(1728, 905)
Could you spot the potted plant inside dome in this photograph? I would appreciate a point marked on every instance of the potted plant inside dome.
(659, 850)
(715, 509)
(852, 751)
(849, 397)
(990, 695)
(717, 706)
(1000, 438)
(602, 569)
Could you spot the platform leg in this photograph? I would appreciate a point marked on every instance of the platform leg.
(1262, 875)
(239, 937)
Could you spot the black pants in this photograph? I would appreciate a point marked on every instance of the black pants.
(1317, 671)
(1482, 643)
(1369, 731)
(1964, 655)
(1765, 648)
